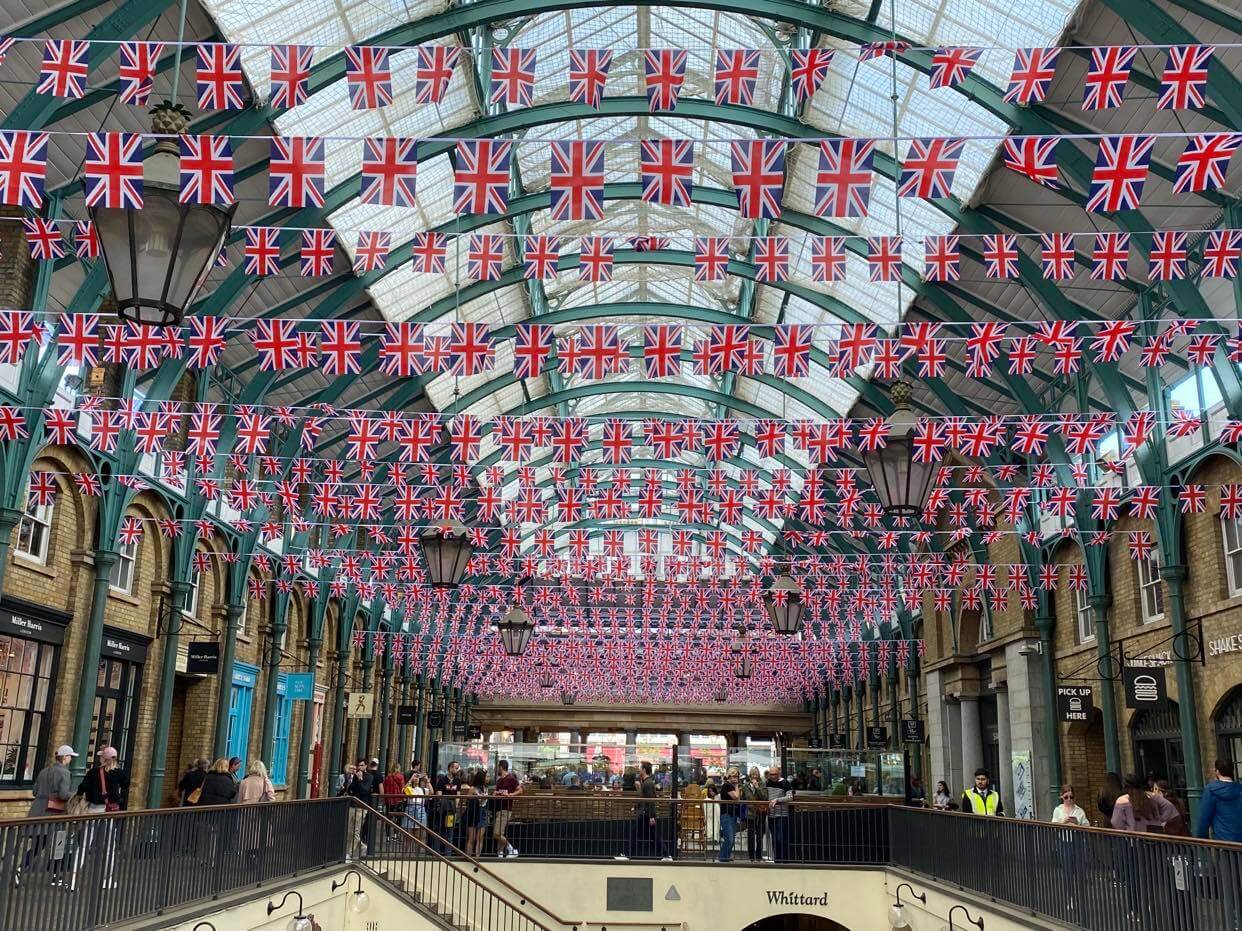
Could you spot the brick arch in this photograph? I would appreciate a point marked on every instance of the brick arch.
(59, 461)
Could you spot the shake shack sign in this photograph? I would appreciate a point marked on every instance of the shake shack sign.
(785, 899)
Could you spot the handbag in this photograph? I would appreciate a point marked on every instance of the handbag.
(192, 797)
(109, 805)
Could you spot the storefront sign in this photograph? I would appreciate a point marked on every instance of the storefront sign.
(360, 704)
(877, 737)
(202, 657)
(836, 741)
(814, 743)
(912, 731)
(796, 899)
(300, 686)
(1145, 688)
(1218, 646)
(459, 730)
(1153, 660)
(435, 719)
(474, 732)
(1075, 703)
(16, 620)
(407, 714)
(123, 645)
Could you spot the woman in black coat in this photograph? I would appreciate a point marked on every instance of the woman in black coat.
(218, 785)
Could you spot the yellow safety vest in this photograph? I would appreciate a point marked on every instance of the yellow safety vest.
(983, 805)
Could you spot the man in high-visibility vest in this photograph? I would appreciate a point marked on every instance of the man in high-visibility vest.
(981, 798)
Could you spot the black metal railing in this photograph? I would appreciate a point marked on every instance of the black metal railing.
(438, 880)
(1085, 877)
(79, 873)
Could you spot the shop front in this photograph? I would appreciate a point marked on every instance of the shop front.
(118, 690)
(31, 637)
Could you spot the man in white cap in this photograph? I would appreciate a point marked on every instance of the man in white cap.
(53, 786)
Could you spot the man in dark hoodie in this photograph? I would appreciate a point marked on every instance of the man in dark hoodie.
(1220, 812)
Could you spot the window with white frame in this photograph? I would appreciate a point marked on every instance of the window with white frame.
(122, 578)
(1082, 608)
(1151, 591)
(189, 607)
(1231, 530)
(35, 530)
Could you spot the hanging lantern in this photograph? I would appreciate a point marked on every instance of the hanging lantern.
(901, 483)
(515, 630)
(446, 551)
(159, 257)
(785, 607)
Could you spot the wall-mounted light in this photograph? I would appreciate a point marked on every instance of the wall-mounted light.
(977, 922)
(298, 922)
(360, 901)
(897, 916)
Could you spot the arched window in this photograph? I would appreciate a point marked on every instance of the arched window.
(1228, 726)
(34, 533)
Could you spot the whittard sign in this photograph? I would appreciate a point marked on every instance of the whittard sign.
(801, 899)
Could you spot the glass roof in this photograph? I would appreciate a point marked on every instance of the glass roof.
(854, 101)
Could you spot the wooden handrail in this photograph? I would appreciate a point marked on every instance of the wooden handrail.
(186, 810)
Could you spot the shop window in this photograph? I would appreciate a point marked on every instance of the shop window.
(1231, 531)
(1151, 590)
(122, 578)
(35, 530)
(1082, 609)
(26, 669)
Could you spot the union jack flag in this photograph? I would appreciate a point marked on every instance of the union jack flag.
(219, 77)
(485, 256)
(711, 258)
(433, 71)
(206, 170)
(540, 255)
(513, 76)
(1110, 256)
(6, 43)
(577, 180)
(401, 349)
(951, 66)
(843, 181)
(827, 259)
(667, 170)
(481, 176)
(291, 68)
(1107, 75)
(1056, 256)
(596, 258)
(758, 176)
(1033, 156)
(1000, 256)
(340, 347)
(791, 350)
(602, 353)
(23, 168)
(276, 344)
(318, 248)
(295, 172)
(389, 170)
(928, 168)
(588, 75)
(532, 342)
(262, 250)
(470, 349)
(1167, 259)
(942, 259)
(112, 172)
(63, 71)
(429, 251)
(1204, 162)
(889, 47)
(85, 239)
(884, 258)
(771, 258)
(137, 71)
(371, 251)
(1120, 170)
(368, 77)
(77, 335)
(1184, 80)
(18, 331)
(662, 350)
(664, 71)
(1221, 251)
(1033, 70)
(205, 341)
(737, 73)
(807, 69)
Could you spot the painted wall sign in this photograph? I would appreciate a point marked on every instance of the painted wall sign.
(1219, 646)
(796, 899)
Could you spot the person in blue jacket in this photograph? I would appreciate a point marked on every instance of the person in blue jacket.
(1220, 812)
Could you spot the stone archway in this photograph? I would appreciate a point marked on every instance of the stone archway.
(795, 922)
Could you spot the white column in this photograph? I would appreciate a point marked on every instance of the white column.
(1004, 748)
(972, 739)
(939, 736)
(1028, 724)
